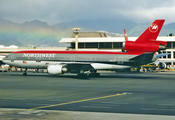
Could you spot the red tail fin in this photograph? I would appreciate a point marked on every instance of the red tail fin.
(125, 35)
(152, 32)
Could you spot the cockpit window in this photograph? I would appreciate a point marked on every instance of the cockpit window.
(7, 56)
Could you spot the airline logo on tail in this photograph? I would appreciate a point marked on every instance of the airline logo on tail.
(153, 28)
(146, 42)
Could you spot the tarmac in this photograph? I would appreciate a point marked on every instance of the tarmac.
(23, 114)
(121, 96)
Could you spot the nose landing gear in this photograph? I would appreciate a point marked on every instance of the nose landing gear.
(25, 72)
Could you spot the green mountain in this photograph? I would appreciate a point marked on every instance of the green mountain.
(34, 33)
(40, 34)
(110, 25)
(138, 29)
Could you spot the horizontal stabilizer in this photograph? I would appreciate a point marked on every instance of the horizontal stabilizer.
(161, 55)
(143, 59)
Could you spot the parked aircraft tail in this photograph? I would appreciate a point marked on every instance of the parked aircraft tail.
(146, 42)
(152, 32)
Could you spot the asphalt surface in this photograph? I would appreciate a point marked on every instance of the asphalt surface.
(128, 93)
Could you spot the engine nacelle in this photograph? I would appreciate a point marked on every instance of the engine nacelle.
(56, 69)
(162, 65)
(152, 46)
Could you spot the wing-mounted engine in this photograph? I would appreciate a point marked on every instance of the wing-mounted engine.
(68, 68)
(152, 46)
(56, 69)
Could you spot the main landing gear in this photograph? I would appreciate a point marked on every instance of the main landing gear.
(92, 74)
(82, 74)
(25, 72)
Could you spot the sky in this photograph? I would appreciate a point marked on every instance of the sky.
(56, 11)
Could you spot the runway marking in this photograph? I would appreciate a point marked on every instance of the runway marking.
(167, 107)
(78, 101)
(12, 99)
(95, 106)
(156, 109)
(54, 100)
(166, 104)
(113, 103)
(170, 108)
(36, 104)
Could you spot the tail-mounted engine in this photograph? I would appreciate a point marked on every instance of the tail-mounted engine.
(152, 46)
(146, 42)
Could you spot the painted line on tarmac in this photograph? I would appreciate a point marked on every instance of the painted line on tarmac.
(85, 100)
(166, 107)
(12, 99)
(113, 103)
(95, 107)
(37, 104)
(166, 104)
(157, 109)
(78, 101)
(54, 100)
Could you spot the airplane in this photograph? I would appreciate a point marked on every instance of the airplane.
(79, 62)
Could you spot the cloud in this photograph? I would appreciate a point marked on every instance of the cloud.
(55, 11)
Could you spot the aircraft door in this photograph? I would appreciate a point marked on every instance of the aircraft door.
(73, 58)
(120, 60)
(39, 64)
(38, 59)
(12, 58)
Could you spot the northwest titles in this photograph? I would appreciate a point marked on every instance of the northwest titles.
(39, 55)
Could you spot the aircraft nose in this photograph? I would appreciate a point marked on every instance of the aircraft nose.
(3, 60)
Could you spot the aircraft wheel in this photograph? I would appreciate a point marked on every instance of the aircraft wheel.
(81, 75)
(93, 71)
(24, 74)
(94, 74)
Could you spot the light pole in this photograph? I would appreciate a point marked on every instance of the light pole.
(76, 37)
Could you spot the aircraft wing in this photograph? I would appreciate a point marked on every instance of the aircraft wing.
(76, 67)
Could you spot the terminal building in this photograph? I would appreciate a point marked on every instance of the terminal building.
(100, 41)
